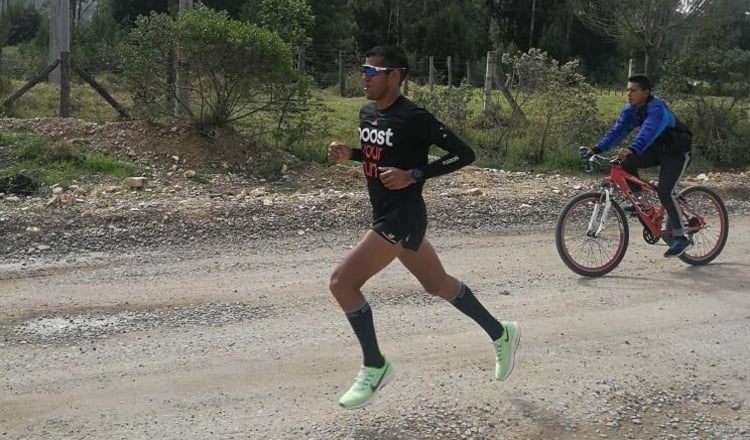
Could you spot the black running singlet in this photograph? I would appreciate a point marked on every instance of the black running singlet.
(400, 136)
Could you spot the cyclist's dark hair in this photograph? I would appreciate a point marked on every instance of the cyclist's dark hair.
(393, 56)
(642, 80)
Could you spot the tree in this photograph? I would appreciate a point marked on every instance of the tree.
(519, 21)
(291, 19)
(80, 8)
(334, 30)
(711, 78)
(20, 23)
(232, 7)
(649, 22)
(457, 29)
(129, 10)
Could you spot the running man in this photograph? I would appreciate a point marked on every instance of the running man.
(395, 136)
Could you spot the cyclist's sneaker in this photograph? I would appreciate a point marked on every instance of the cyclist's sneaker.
(677, 247)
(505, 349)
(366, 386)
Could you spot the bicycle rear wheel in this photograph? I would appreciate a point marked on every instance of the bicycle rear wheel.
(707, 224)
(590, 239)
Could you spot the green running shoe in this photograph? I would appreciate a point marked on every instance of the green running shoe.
(366, 386)
(505, 349)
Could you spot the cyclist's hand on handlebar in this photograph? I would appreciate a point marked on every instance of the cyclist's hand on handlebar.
(623, 153)
(586, 152)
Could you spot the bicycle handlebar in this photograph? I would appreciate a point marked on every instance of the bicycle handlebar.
(595, 159)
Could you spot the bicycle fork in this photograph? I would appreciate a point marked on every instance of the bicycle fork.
(596, 223)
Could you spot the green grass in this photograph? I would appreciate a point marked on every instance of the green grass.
(343, 114)
(341, 117)
(331, 117)
(43, 100)
(56, 163)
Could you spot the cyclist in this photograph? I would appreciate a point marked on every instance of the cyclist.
(661, 140)
(395, 136)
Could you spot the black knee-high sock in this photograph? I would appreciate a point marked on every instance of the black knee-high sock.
(361, 321)
(466, 302)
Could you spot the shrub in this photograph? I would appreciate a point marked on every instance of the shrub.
(235, 69)
(711, 88)
(449, 104)
(95, 42)
(559, 104)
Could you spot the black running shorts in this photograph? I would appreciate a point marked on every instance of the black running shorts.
(404, 222)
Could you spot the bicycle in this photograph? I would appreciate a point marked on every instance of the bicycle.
(592, 231)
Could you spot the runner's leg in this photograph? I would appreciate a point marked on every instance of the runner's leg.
(425, 265)
(371, 255)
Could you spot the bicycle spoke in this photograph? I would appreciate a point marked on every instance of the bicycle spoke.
(591, 239)
(706, 225)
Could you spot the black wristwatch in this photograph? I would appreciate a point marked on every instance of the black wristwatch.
(417, 174)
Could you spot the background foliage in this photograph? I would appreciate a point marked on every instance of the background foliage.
(271, 68)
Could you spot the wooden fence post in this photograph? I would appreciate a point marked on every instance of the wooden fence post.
(432, 71)
(489, 72)
(450, 70)
(53, 55)
(342, 78)
(182, 82)
(64, 58)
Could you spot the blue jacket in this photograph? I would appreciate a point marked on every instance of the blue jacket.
(653, 118)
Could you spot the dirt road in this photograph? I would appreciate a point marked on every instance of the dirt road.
(246, 342)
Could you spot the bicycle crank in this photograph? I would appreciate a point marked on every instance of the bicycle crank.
(649, 237)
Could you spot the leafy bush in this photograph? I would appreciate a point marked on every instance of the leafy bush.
(94, 43)
(146, 60)
(449, 104)
(711, 88)
(353, 83)
(299, 132)
(721, 131)
(235, 69)
(560, 106)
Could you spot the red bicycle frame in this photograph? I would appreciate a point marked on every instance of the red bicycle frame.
(652, 217)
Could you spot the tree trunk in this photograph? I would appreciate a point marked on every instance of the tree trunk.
(650, 60)
(542, 144)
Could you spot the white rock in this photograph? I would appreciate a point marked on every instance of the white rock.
(136, 182)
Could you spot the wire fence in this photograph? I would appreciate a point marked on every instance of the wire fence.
(336, 69)
(330, 68)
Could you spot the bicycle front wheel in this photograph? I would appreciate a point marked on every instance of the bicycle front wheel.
(591, 238)
(707, 224)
